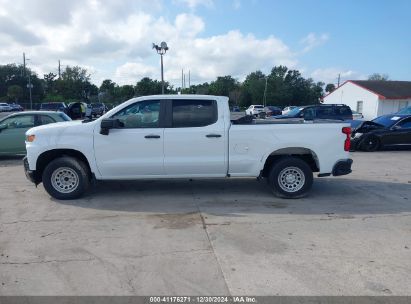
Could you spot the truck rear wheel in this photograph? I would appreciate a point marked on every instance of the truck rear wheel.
(290, 177)
(66, 178)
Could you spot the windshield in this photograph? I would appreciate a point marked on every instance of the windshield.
(387, 121)
(294, 112)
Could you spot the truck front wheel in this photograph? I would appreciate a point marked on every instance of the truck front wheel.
(290, 177)
(66, 178)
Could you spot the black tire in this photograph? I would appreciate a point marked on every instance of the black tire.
(66, 178)
(300, 178)
(370, 144)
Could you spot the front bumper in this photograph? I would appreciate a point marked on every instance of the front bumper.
(30, 174)
(342, 167)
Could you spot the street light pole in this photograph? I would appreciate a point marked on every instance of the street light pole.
(161, 50)
(162, 75)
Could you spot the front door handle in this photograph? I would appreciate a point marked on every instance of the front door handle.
(213, 135)
(152, 136)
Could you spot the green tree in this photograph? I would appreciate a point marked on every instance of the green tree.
(75, 85)
(12, 74)
(108, 86)
(147, 86)
(15, 92)
(223, 85)
(126, 92)
(329, 87)
(253, 89)
(378, 76)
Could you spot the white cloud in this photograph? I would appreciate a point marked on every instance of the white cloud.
(330, 75)
(114, 40)
(312, 40)
(232, 53)
(129, 72)
(195, 3)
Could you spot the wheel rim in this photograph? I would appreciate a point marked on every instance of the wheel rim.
(371, 143)
(64, 180)
(291, 179)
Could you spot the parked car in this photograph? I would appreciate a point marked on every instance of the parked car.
(236, 109)
(406, 110)
(254, 110)
(384, 131)
(287, 109)
(5, 107)
(269, 111)
(54, 106)
(320, 111)
(356, 115)
(98, 109)
(183, 136)
(14, 126)
(16, 107)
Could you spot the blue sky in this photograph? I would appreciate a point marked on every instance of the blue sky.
(211, 38)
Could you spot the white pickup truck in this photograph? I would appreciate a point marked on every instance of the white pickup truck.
(183, 136)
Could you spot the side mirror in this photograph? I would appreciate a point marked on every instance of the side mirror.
(110, 123)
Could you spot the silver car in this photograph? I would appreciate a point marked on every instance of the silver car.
(5, 107)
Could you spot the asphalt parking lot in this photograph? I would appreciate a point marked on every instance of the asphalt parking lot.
(351, 236)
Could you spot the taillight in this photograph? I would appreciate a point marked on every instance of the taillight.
(347, 142)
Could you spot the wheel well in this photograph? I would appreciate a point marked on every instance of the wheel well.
(304, 154)
(46, 157)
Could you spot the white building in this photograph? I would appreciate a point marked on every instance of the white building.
(372, 98)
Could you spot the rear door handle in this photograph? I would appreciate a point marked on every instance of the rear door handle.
(213, 135)
(152, 136)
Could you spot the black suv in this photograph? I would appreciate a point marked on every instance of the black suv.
(321, 111)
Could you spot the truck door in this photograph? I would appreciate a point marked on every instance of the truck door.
(135, 150)
(195, 142)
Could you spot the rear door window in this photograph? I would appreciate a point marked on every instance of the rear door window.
(193, 113)
(343, 111)
(45, 120)
(325, 112)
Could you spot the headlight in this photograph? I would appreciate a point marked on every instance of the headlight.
(30, 138)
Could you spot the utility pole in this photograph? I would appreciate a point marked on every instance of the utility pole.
(30, 86)
(24, 65)
(59, 69)
(182, 80)
(265, 92)
(339, 77)
(189, 80)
